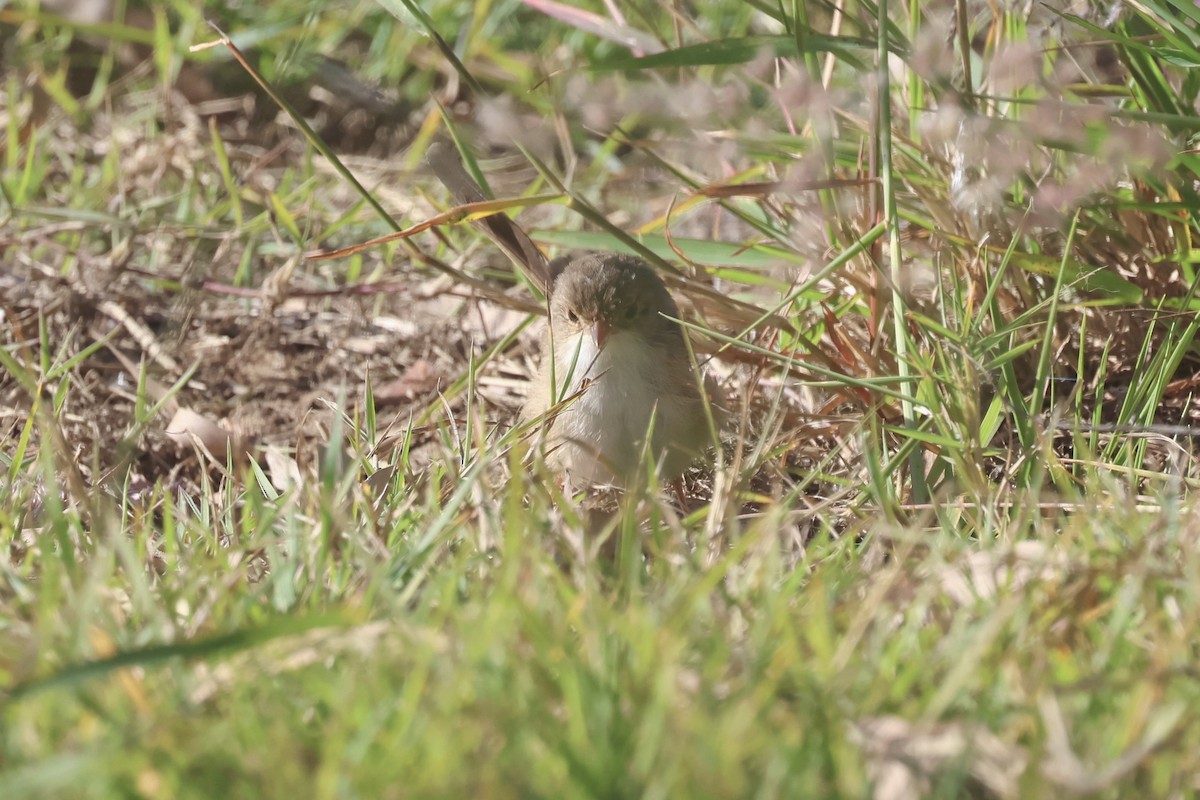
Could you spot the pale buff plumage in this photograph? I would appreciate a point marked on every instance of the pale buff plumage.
(619, 368)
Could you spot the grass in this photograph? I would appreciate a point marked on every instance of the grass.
(948, 547)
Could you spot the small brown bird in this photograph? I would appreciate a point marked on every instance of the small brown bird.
(621, 370)
(615, 369)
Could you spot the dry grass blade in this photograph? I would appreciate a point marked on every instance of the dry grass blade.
(637, 41)
(485, 212)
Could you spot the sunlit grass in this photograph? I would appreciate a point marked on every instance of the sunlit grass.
(948, 547)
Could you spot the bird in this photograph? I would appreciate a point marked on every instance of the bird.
(617, 380)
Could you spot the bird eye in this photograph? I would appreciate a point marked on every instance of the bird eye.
(572, 317)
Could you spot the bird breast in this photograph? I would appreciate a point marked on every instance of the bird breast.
(603, 429)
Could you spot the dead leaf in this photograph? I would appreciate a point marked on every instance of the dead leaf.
(419, 379)
(187, 428)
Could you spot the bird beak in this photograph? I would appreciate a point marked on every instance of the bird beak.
(600, 333)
